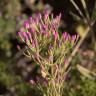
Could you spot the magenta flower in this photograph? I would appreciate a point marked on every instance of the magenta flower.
(55, 34)
(47, 48)
(26, 24)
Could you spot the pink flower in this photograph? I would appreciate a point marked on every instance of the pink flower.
(66, 36)
(55, 34)
(32, 82)
(73, 38)
(26, 24)
(23, 36)
(46, 15)
(29, 36)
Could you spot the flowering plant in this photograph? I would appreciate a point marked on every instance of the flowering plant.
(48, 49)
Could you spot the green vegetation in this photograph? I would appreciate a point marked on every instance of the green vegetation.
(78, 17)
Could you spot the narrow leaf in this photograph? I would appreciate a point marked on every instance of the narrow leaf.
(77, 8)
(84, 4)
(84, 71)
(76, 17)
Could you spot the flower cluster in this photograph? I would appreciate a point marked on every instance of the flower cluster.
(47, 47)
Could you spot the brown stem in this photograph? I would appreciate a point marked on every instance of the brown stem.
(79, 43)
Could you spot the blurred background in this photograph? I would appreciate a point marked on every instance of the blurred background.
(78, 17)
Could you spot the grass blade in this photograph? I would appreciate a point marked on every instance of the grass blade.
(77, 8)
(75, 16)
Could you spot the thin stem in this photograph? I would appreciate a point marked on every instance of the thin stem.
(79, 43)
